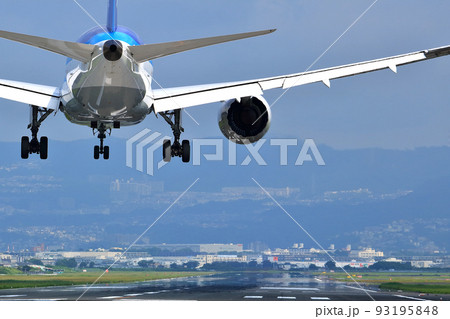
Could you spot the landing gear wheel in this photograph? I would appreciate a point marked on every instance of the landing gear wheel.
(167, 151)
(102, 129)
(177, 149)
(25, 147)
(34, 146)
(106, 152)
(186, 151)
(43, 145)
(96, 152)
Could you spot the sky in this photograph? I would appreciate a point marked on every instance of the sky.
(383, 110)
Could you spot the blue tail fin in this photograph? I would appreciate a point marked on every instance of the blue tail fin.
(112, 16)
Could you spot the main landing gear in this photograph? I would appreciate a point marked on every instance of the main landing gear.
(35, 146)
(101, 130)
(170, 150)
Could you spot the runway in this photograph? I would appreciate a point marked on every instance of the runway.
(221, 287)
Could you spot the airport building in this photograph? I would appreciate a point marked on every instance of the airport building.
(209, 259)
(197, 248)
(366, 253)
(79, 254)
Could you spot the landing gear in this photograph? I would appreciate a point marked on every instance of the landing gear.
(186, 151)
(101, 149)
(25, 147)
(35, 146)
(167, 151)
(43, 147)
(182, 150)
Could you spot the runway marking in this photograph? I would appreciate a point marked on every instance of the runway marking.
(412, 298)
(12, 296)
(133, 295)
(151, 293)
(130, 299)
(104, 287)
(109, 297)
(286, 297)
(61, 299)
(253, 297)
(351, 287)
(290, 288)
(155, 292)
(320, 298)
(114, 287)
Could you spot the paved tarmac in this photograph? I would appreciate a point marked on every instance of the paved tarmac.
(221, 287)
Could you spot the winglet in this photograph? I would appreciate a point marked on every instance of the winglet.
(142, 53)
(112, 16)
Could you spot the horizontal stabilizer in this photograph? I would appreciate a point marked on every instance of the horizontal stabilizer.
(142, 53)
(78, 51)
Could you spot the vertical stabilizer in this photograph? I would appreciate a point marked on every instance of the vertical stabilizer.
(112, 16)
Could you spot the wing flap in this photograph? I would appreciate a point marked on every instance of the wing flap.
(197, 95)
(33, 94)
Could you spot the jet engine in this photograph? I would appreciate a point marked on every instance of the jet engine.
(246, 120)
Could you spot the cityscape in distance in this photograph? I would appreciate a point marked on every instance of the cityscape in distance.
(386, 200)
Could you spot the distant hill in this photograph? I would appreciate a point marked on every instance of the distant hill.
(370, 197)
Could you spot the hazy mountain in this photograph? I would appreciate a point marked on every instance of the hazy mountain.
(381, 198)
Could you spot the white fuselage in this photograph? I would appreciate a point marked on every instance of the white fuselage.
(107, 91)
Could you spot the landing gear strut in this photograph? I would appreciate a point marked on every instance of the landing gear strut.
(100, 149)
(182, 150)
(35, 146)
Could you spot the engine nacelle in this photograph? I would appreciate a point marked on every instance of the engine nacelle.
(237, 119)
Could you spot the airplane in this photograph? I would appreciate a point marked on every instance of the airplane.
(108, 85)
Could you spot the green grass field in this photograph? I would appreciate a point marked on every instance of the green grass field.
(435, 283)
(422, 288)
(80, 278)
(9, 271)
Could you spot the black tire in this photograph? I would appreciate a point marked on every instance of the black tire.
(96, 152)
(43, 148)
(106, 152)
(167, 151)
(25, 147)
(186, 151)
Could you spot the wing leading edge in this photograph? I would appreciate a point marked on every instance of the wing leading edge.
(182, 97)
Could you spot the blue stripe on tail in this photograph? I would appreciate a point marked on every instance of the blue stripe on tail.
(112, 16)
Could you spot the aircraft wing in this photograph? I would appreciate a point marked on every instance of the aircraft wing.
(33, 94)
(182, 97)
